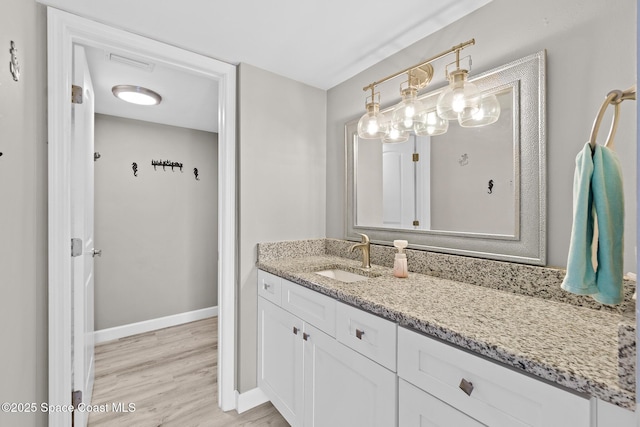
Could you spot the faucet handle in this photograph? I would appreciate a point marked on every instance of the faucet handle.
(365, 238)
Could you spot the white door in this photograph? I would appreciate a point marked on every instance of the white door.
(342, 388)
(418, 408)
(280, 373)
(398, 185)
(81, 169)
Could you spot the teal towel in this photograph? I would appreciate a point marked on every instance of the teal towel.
(597, 187)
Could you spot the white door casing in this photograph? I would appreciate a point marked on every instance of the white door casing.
(65, 30)
(82, 214)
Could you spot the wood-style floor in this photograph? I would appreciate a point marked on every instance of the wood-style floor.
(170, 377)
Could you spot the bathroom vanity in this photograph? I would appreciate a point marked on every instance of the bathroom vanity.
(369, 349)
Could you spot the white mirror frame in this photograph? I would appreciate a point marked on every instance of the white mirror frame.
(528, 246)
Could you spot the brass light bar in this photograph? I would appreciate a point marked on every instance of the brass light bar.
(456, 49)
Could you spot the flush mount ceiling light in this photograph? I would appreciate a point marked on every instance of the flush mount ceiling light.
(136, 94)
(460, 101)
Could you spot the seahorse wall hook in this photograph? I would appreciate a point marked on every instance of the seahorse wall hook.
(14, 67)
(195, 172)
(134, 166)
(490, 186)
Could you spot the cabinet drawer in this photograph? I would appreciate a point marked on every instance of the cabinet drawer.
(418, 408)
(369, 335)
(500, 395)
(269, 287)
(310, 306)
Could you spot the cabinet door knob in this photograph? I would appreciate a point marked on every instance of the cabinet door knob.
(466, 386)
(295, 330)
(266, 286)
(359, 334)
(305, 336)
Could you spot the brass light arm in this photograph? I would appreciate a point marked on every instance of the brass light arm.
(456, 49)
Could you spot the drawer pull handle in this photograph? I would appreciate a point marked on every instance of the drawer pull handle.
(359, 334)
(466, 386)
(295, 330)
(305, 336)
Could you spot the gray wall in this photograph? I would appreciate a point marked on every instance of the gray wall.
(591, 49)
(282, 175)
(158, 231)
(23, 212)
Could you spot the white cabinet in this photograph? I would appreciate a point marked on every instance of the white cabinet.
(325, 363)
(609, 414)
(418, 408)
(369, 335)
(310, 377)
(498, 396)
(280, 360)
(269, 287)
(310, 306)
(344, 388)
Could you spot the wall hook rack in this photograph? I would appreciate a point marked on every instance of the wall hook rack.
(165, 164)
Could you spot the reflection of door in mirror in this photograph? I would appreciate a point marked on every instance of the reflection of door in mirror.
(393, 187)
(405, 183)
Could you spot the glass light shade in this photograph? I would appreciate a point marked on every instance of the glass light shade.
(459, 97)
(488, 112)
(136, 94)
(371, 124)
(433, 125)
(394, 135)
(408, 112)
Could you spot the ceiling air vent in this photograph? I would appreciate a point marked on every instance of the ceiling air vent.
(131, 62)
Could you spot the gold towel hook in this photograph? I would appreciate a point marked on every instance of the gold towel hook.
(615, 97)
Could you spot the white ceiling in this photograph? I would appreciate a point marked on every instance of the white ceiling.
(321, 43)
(188, 100)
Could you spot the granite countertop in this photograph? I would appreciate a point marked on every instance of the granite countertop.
(575, 347)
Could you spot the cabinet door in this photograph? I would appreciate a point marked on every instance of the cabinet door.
(344, 388)
(418, 408)
(500, 397)
(280, 353)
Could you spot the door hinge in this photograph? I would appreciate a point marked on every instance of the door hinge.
(76, 247)
(416, 223)
(96, 156)
(76, 94)
(76, 398)
(416, 157)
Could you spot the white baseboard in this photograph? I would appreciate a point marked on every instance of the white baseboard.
(250, 399)
(104, 335)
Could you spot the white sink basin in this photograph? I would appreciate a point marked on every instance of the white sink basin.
(341, 275)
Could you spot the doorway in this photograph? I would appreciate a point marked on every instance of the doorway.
(64, 31)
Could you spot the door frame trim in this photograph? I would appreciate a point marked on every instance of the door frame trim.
(64, 30)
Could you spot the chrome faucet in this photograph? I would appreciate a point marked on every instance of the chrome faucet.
(366, 250)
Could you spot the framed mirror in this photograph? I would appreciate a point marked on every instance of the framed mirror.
(470, 191)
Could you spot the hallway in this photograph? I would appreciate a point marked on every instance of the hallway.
(166, 378)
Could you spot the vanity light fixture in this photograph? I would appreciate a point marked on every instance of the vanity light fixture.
(136, 94)
(460, 101)
(460, 97)
(371, 125)
(488, 112)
